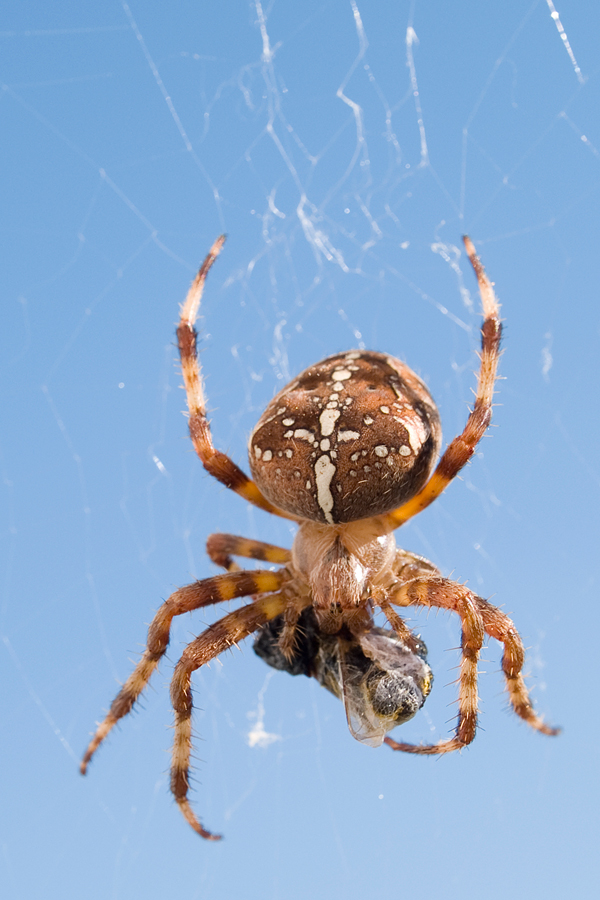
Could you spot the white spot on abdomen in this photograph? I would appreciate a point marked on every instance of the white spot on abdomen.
(417, 433)
(304, 435)
(324, 472)
(327, 420)
(341, 374)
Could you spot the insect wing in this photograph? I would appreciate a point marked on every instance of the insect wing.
(384, 683)
(364, 723)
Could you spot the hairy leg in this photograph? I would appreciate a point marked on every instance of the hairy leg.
(462, 448)
(445, 594)
(500, 627)
(221, 547)
(218, 464)
(407, 567)
(477, 616)
(193, 596)
(219, 637)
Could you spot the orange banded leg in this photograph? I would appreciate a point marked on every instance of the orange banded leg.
(399, 625)
(216, 463)
(461, 449)
(500, 627)
(407, 567)
(219, 637)
(193, 596)
(447, 594)
(221, 547)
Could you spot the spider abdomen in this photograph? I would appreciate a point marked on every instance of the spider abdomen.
(353, 436)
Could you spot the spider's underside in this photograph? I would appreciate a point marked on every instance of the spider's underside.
(347, 451)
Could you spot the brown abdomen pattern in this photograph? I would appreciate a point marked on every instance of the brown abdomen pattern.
(354, 436)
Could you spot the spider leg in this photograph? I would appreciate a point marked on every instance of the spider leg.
(447, 594)
(477, 616)
(399, 625)
(500, 627)
(218, 637)
(221, 547)
(407, 566)
(461, 449)
(193, 596)
(216, 463)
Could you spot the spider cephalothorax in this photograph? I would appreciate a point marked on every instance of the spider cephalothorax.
(346, 450)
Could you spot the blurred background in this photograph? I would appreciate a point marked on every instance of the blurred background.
(344, 147)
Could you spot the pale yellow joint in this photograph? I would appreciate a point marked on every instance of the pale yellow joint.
(191, 304)
(250, 492)
(226, 590)
(272, 554)
(489, 301)
(192, 381)
(182, 741)
(434, 487)
(188, 314)
(265, 581)
(272, 606)
(269, 581)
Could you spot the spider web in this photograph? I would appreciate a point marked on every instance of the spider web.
(344, 147)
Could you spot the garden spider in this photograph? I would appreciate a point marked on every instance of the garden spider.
(346, 451)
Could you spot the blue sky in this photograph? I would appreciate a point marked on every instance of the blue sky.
(344, 148)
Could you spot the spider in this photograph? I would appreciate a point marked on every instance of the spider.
(347, 451)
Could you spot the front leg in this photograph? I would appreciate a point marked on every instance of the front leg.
(218, 464)
(458, 453)
(477, 616)
(406, 567)
(447, 594)
(409, 566)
